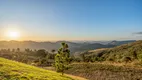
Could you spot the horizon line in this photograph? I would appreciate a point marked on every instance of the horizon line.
(66, 40)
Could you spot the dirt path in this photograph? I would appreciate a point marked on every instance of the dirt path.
(75, 77)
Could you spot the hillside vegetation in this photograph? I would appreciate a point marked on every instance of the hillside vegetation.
(99, 71)
(11, 70)
(130, 52)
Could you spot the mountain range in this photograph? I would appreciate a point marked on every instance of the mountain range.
(74, 46)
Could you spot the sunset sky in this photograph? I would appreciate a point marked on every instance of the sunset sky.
(47, 20)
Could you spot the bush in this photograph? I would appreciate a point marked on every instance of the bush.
(140, 57)
(126, 59)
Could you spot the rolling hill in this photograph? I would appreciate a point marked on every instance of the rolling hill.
(128, 52)
(11, 70)
(123, 62)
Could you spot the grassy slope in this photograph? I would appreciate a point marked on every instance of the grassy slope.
(11, 70)
(119, 53)
(98, 71)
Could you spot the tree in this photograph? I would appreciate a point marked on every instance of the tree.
(18, 49)
(41, 53)
(62, 58)
(27, 50)
(13, 50)
(53, 50)
(41, 56)
(83, 57)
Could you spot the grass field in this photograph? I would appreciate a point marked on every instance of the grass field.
(11, 70)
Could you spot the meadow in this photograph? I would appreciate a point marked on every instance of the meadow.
(12, 70)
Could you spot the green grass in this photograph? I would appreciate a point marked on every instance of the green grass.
(11, 70)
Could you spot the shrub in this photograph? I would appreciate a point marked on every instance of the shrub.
(126, 59)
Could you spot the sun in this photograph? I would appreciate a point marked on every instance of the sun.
(13, 35)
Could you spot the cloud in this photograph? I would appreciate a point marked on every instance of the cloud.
(138, 33)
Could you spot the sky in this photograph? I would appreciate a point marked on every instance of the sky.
(48, 20)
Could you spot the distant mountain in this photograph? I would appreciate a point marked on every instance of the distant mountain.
(117, 43)
(91, 42)
(93, 46)
(74, 46)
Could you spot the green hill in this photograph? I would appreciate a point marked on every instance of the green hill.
(11, 70)
(125, 53)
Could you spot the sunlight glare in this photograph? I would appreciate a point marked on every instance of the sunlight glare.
(13, 34)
